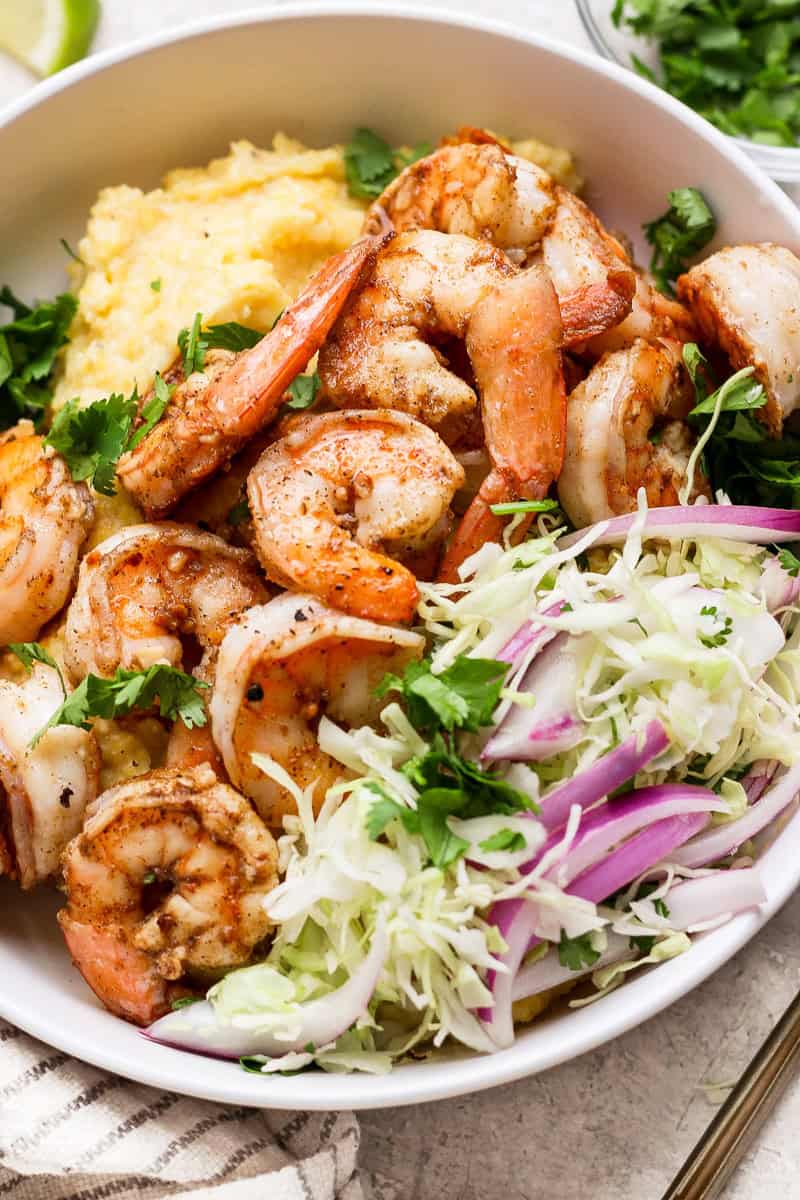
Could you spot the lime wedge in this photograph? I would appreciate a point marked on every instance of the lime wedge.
(47, 35)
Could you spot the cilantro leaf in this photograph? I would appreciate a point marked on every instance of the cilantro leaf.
(65, 246)
(192, 347)
(92, 439)
(504, 839)
(789, 561)
(239, 512)
(685, 228)
(577, 952)
(369, 164)
(434, 807)
(231, 336)
(303, 391)
(30, 652)
(381, 812)
(152, 411)
(184, 1002)
(463, 696)
(28, 347)
(155, 285)
(178, 694)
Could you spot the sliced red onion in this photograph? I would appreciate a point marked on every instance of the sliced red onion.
(737, 522)
(603, 827)
(531, 636)
(780, 588)
(551, 724)
(758, 778)
(698, 900)
(197, 1027)
(517, 918)
(723, 840)
(605, 775)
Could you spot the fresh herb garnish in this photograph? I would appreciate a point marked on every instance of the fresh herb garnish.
(184, 1001)
(575, 953)
(28, 348)
(736, 62)
(68, 250)
(463, 696)
(92, 439)
(192, 347)
(371, 164)
(685, 228)
(239, 512)
(152, 411)
(155, 285)
(507, 507)
(231, 336)
(720, 637)
(789, 561)
(178, 695)
(303, 390)
(504, 839)
(30, 652)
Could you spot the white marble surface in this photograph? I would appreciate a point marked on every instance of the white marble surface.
(615, 1124)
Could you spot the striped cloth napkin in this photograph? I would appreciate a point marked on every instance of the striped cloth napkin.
(69, 1131)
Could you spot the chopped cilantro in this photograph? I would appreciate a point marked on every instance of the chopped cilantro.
(789, 561)
(148, 877)
(92, 439)
(577, 952)
(685, 228)
(463, 696)
(523, 506)
(303, 391)
(192, 347)
(152, 411)
(734, 61)
(68, 250)
(184, 1001)
(720, 636)
(30, 652)
(231, 336)
(28, 347)
(239, 512)
(178, 695)
(155, 285)
(504, 839)
(371, 164)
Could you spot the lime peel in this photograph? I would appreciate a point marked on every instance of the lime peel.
(47, 35)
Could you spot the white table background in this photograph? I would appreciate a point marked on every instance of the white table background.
(615, 1124)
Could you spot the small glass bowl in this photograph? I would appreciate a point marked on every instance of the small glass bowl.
(782, 163)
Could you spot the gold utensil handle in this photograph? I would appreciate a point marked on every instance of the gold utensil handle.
(713, 1159)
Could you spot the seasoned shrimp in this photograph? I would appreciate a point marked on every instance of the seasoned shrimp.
(747, 301)
(337, 488)
(605, 303)
(612, 417)
(44, 519)
(211, 416)
(143, 588)
(167, 881)
(424, 287)
(514, 343)
(477, 190)
(280, 668)
(44, 789)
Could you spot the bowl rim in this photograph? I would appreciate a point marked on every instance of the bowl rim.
(779, 158)
(642, 997)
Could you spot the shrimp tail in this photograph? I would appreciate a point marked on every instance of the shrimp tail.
(592, 309)
(123, 977)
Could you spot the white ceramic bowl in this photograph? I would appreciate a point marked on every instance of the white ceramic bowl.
(318, 72)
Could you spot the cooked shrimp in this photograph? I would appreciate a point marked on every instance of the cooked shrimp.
(44, 519)
(605, 303)
(514, 343)
(166, 881)
(337, 488)
(747, 301)
(625, 430)
(143, 588)
(210, 417)
(424, 287)
(280, 668)
(44, 789)
(477, 190)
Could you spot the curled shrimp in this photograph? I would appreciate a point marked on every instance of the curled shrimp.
(475, 189)
(342, 492)
(625, 430)
(746, 300)
(514, 343)
(44, 519)
(382, 351)
(145, 587)
(166, 882)
(280, 668)
(211, 416)
(44, 788)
